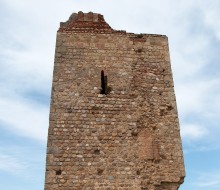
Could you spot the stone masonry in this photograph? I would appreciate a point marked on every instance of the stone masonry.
(113, 116)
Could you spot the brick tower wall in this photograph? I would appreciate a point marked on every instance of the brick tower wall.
(126, 137)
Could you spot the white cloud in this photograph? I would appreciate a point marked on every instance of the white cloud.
(198, 96)
(27, 70)
(211, 16)
(193, 132)
(208, 179)
(10, 164)
(24, 118)
(24, 162)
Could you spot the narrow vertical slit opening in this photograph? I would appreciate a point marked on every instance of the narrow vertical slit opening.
(103, 83)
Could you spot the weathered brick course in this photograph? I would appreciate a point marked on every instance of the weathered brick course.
(127, 139)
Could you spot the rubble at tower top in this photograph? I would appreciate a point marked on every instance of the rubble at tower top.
(85, 22)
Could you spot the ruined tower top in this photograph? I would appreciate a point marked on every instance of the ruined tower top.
(85, 22)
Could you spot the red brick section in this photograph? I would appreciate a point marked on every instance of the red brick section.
(86, 22)
(126, 139)
(148, 147)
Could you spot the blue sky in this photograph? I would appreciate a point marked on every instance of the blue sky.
(27, 45)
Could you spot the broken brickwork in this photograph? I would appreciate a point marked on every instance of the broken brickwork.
(113, 115)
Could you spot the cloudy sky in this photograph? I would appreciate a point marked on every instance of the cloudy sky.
(27, 44)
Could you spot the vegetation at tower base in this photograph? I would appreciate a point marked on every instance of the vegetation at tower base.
(113, 116)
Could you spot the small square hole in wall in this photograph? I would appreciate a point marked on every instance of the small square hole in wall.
(139, 50)
(58, 172)
(99, 171)
(97, 151)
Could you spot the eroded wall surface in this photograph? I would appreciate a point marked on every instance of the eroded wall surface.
(128, 138)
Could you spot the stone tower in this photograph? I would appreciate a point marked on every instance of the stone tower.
(113, 116)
